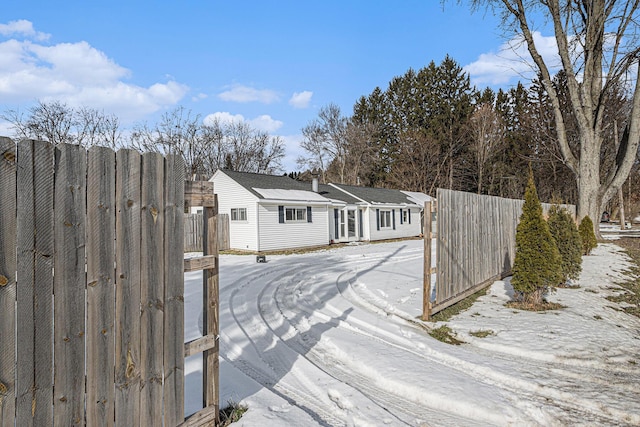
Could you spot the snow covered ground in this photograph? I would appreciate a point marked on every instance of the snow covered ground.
(332, 338)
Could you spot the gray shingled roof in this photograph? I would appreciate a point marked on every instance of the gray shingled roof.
(377, 195)
(333, 193)
(370, 195)
(257, 180)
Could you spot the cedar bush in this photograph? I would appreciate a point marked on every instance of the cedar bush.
(537, 266)
(588, 236)
(565, 233)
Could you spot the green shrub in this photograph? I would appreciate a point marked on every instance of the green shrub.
(565, 233)
(537, 266)
(588, 236)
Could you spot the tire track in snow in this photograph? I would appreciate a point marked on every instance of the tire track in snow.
(519, 386)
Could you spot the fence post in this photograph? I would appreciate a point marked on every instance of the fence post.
(210, 300)
(8, 261)
(426, 283)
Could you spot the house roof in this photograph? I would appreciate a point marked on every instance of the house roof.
(377, 195)
(274, 186)
(418, 198)
(333, 193)
(285, 188)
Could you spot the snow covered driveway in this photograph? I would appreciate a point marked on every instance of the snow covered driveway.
(332, 338)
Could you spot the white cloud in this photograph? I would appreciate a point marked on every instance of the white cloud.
(22, 27)
(223, 117)
(264, 122)
(79, 75)
(292, 152)
(513, 61)
(240, 93)
(301, 99)
(199, 97)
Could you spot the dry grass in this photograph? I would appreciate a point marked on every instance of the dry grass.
(482, 333)
(534, 306)
(231, 413)
(631, 293)
(312, 248)
(446, 335)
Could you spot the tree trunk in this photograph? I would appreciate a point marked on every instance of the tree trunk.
(589, 197)
(621, 198)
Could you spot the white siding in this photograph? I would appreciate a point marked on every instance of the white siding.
(274, 236)
(402, 230)
(242, 234)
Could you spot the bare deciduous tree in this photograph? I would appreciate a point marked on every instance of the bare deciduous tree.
(598, 44)
(58, 123)
(325, 141)
(487, 132)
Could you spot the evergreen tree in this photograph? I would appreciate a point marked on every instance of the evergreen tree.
(537, 266)
(587, 234)
(567, 238)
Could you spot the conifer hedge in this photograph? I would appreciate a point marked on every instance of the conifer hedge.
(537, 266)
(565, 233)
(589, 241)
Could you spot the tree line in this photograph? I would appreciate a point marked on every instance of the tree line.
(205, 146)
(431, 128)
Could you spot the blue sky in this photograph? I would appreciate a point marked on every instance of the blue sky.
(271, 63)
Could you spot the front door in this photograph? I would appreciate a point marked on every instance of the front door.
(351, 225)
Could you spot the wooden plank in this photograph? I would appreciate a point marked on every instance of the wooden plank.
(69, 284)
(43, 304)
(199, 345)
(101, 228)
(152, 289)
(210, 374)
(198, 193)
(34, 376)
(199, 263)
(25, 349)
(127, 322)
(7, 281)
(203, 418)
(426, 279)
(174, 291)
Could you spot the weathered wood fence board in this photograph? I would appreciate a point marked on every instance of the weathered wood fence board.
(69, 284)
(101, 226)
(194, 228)
(152, 288)
(127, 362)
(95, 241)
(475, 243)
(174, 295)
(34, 379)
(7, 280)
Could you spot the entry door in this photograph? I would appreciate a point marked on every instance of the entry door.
(351, 224)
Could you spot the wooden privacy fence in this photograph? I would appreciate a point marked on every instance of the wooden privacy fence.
(476, 245)
(193, 232)
(91, 286)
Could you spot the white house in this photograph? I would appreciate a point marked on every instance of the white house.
(374, 213)
(268, 212)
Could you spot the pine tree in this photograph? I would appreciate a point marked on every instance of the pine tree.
(587, 234)
(537, 266)
(565, 233)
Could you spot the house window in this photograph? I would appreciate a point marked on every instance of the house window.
(405, 215)
(385, 219)
(239, 214)
(295, 214)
